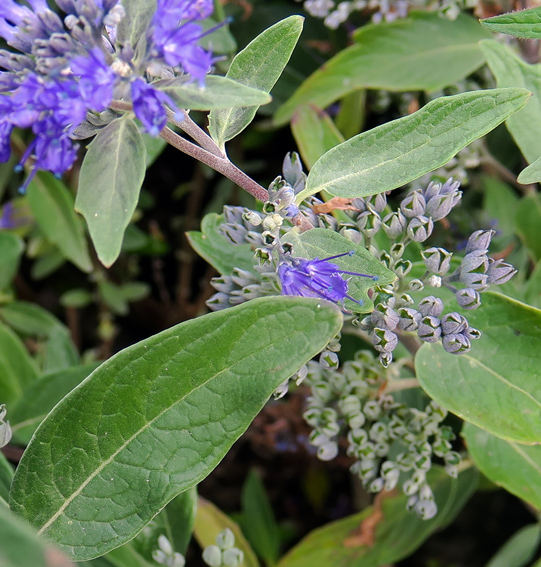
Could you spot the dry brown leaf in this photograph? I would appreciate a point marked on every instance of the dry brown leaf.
(336, 203)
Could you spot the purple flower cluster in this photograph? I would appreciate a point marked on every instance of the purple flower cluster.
(65, 70)
(316, 278)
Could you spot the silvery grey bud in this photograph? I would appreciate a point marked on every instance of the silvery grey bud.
(429, 329)
(252, 217)
(222, 283)
(431, 306)
(385, 358)
(499, 272)
(233, 215)
(369, 223)
(292, 171)
(475, 280)
(394, 224)
(243, 277)
(432, 189)
(406, 300)
(212, 556)
(440, 206)
(397, 250)
(378, 202)
(384, 340)
(420, 228)
(479, 240)
(437, 260)
(409, 319)
(402, 268)
(416, 285)
(450, 186)
(233, 557)
(5, 433)
(456, 343)
(218, 301)
(414, 205)
(453, 323)
(234, 232)
(385, 317)
(472, 334)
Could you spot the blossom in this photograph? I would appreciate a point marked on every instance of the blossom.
(316, 278)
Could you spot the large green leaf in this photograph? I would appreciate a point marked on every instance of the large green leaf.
(314, 132)
(6, 476)
(219, 92)
(528, 219)
(531, 174)
(52, 205)
(156, 418)
(514, 466)
(525, 24)
(109, 183)
(400, 151)
(511, 71)
(11, 249)
(210, 521)
(495, 385)
(422, 52)
(20, 547)
(17, 369)
(40, 397)
(397, 533)
(218, 250)
(258, 65)
(519, 550)
(322, 243)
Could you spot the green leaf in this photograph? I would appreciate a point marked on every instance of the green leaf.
(132, 28)
(6, 475)
(510, 71)
(11, 249)
(210, 521)
(156, 418)
(525, 23)
(314, 132)
(175, 521)
(528, 219)
(514, 466)
(422, 52)
(400, 151)
(109, 183)
(40, 397)
(519, 550)
(531, 174)
(127, 556)
(494, 386)
(219, 92)
(500, 202)
(258, 65)
(218, 250)
(52, 205)
(76, 298)
(20, 547)
(322, 243)
(398, 532)
(258, 522)
(17, 369)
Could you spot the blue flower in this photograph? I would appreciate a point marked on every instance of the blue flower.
(316, 278)
(96, 79)
(148, 106)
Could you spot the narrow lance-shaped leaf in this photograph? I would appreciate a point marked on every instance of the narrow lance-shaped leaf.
(422, 52)
(138, 15)
(258, 65)
(510, 71)
(52, 205)
(109, 183)
(525, 24)
(156, 418)
(495, 385)
(531, 174)
(219, 92)
(400, 151)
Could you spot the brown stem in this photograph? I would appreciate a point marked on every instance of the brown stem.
(206, 155)
(221, 165)
(411, 342)
(403, 384)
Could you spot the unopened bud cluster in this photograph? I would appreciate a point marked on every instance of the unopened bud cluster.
(224, 553)
(348, 403)
(165, 554)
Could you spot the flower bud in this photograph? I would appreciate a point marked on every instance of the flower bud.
(327, 451)
(468, 298)
(479, 240)
(242, 277)
(453, 323)
(233, 557)
(385, 358)
(394, 224)
(431, 306)
(350, 405)
(358, 436)
(385, 317)
(425, 509)
(432, 190)
(212, 556)
(475, 261)
(420, 228)
(402, 268)
(450, 186)
(292, 168)
(372, 409)
(472, 334)
(369, 223)
(252, 217)
(440, 206)
(219, 301)
(328, 359)
(225, 539)
(416, 285)
(384, 340)
(409, 319)
(475, 281)
(234, 232)
(499, 272)
(429, 329)
(414, 205)
(437, 260)
(233, 215)
(378, 202)
(456, 343)
(376, 485)
(397, 250)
